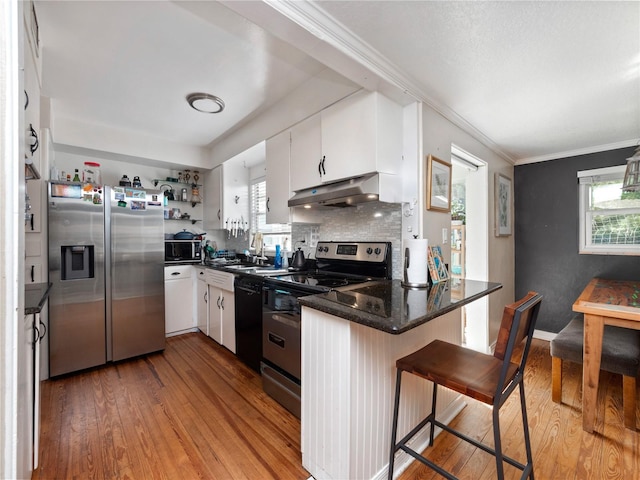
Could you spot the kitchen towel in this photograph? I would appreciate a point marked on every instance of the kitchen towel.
(414, 259)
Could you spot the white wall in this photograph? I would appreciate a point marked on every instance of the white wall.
(102, 138)
(438, 136)
(113, 170)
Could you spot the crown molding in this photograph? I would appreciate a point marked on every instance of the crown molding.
(580, 151)
(317, 22)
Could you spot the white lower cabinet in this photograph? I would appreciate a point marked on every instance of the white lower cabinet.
(178, 299)
(229, 321)
(202, 300)
(222, 308)
(215, 315)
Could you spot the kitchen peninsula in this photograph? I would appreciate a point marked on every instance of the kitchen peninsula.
(350, 342)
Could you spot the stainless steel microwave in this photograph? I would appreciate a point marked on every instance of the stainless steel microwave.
(182, 251)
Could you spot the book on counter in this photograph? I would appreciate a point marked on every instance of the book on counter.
(437, 268)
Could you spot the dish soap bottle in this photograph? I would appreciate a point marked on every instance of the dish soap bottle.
(277, 261)
(76, 177)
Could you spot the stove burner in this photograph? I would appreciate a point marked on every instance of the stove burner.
(341, 264)
(323, 281)
(320, 280)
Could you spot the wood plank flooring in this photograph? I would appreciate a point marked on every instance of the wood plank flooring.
(195, 411)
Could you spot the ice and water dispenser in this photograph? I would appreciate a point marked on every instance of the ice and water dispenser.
(77, 262)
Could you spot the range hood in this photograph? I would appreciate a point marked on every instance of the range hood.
(344, 193)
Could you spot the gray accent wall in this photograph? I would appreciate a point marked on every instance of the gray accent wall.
(546, 236)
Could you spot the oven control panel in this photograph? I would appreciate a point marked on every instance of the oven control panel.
(356, 251)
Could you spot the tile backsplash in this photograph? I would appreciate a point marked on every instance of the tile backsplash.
(373, 221)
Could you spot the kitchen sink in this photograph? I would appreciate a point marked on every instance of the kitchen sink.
(257, 269)
(239, 267)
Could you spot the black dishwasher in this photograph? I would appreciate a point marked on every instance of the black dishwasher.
(248, 297)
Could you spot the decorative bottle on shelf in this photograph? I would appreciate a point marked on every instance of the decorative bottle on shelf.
(76, 177)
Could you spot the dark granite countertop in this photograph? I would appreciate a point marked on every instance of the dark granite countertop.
(35, 296)
(388, 306)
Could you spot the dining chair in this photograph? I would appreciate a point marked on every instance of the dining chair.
(620, 355)
(487, 378)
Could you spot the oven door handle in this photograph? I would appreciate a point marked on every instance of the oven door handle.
(291, 319)
(277, 340)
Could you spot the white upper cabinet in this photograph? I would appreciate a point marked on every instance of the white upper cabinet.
(235, 196)
(277, 178)
(358, 135)
(213, 215)
(361, 134)
(306, 154)
(226, 196)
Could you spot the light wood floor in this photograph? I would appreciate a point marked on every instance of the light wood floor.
(195, 411)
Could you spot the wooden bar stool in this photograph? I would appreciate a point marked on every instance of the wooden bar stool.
(620, 354)
(487, 378)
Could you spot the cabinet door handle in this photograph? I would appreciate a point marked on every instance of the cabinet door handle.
(31, 220)
(33, 273)
(36, 334)
(26, 101)
(268, 200)
(218, 214)
(175, 273)
(205, 297)
(34, 144)
(44, 330)
(218, 302)
(320, 166)
(222, 303)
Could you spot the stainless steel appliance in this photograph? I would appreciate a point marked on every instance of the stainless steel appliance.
(339, 265)
(182, 251)
(106, 264)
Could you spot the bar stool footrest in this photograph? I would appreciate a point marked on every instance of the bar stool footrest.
(402, 445)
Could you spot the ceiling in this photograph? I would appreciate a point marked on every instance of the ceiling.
(532, 80)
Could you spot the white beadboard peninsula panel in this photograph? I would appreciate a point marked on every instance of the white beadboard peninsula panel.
(348, 383)
(325, 396)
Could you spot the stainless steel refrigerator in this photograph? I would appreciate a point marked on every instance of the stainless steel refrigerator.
(106, 264)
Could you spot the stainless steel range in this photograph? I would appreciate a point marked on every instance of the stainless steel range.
(339, 265)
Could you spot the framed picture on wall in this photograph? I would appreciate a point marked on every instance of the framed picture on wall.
(503, 205)
(438, 184)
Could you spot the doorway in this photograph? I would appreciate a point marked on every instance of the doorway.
(469, 240)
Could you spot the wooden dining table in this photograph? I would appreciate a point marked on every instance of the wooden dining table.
(603, 302)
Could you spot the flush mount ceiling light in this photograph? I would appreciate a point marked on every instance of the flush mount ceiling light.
(631, 182)
(205, 102)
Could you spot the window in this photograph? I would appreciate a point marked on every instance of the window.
(609, 217)
(273, 233)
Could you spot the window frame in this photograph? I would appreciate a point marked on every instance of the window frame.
(586, 178)
(273, 234)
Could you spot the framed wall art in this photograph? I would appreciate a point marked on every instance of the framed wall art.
(503, 206)
(438, 184)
